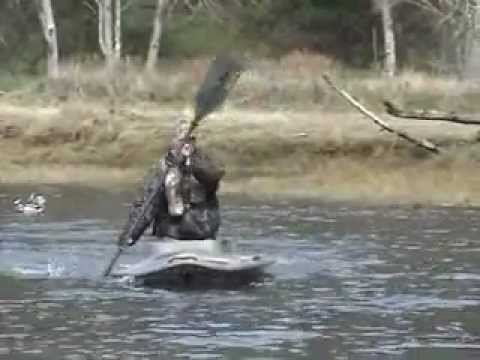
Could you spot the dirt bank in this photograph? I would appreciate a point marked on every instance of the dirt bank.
(311, 153)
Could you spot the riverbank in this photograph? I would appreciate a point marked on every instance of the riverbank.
(331, 155)
(282, 130)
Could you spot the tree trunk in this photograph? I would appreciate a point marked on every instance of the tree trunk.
(390, 62)
(375, 46)
(118, 30)
(105, 30)
(156, 35)
(445, 50)
(47, 21)
(472, 66)
(101, 28)
(108, 23)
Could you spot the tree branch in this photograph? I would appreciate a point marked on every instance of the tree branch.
(127, 5)
(90, 7)
(423, 143)
(429, 115)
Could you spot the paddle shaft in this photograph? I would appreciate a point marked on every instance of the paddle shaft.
(120, 248)
(109, 268)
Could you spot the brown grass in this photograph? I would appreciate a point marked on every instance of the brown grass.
(329, 155)
(293, 82)
(282, 131)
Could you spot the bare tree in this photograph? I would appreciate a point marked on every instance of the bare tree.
(101, 27)
(216, 9)
(158, 23)
(390, 66)
(108, 29)
(165, 8)
(457, 22)
(118, 30)
(473, 63)
(385, 7)
(109, 32)
(45, 13)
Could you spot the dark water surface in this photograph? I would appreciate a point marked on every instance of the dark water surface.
(350, 282)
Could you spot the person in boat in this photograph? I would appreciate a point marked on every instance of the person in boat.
(185, 204)
(179, 199)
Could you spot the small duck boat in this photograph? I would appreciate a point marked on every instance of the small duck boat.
(35, 204)
(194, 270)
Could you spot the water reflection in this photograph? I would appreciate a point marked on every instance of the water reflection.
(350, 282)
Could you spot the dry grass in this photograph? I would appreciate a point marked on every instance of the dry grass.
(340, 155)
(367, 181)
(282, 131)
(293, 82)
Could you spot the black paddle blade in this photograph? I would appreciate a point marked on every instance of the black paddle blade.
(221, 76)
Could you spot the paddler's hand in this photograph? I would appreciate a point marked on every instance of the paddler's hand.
(124, 240)
(187, 150)
(180, 153)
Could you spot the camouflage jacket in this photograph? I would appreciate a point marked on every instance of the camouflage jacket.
(178, 202)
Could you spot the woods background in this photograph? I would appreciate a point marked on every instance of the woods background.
(438, 36)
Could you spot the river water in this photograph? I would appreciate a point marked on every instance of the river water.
(349, 282)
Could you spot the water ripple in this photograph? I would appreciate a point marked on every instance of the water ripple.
(349, 283)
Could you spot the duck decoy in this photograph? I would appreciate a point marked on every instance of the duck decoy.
(35, 204)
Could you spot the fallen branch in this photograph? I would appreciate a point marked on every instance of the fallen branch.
(423, 143)
(394, 110)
